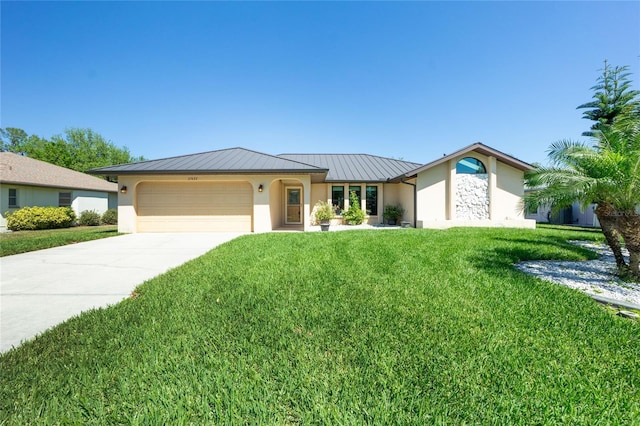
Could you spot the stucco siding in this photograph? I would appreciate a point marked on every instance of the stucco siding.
(399, 193)
(432, 194)
(319, 192)
(446, 198)
(509, 193)
(266, 204)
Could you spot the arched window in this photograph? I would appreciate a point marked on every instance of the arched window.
(470, 166)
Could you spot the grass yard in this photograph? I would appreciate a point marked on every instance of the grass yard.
(25, 241)
(357, 327)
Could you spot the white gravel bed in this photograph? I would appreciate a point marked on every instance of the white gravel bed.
(594, 277)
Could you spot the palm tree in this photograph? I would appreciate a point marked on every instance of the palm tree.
(621, 141)
(606, 174)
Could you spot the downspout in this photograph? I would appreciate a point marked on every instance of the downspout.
(415, 201)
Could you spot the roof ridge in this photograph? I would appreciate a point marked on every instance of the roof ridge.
(174, 157)
(208, 152)
(337, 154)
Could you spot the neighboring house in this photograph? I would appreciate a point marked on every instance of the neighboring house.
(239, 190)
(25, 182)
(573, 215)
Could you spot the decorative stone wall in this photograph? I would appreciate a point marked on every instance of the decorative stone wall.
(472, 196)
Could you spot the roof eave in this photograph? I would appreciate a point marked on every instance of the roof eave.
(46, 185)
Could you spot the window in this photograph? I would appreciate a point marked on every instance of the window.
(470, 165)
(337, 198)
(13, 197)
(64, 199)
(532, 210)
(357, 190)
(372, 200)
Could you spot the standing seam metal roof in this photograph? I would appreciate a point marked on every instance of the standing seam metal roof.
(232, 160)
(356, 167)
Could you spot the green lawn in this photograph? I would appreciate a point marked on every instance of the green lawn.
(25, 241)
(357, 327)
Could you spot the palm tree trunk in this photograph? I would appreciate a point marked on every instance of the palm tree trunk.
(608, 224)
(630, 230)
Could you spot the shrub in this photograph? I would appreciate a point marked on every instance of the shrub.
(323, 211)
(110, 217)
(354, 215)
(393, 213)
(32, 218)
(89, 218)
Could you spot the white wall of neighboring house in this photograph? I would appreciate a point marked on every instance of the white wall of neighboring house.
(579, 216)
(90, 200)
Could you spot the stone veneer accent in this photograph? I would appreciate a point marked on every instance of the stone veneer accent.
(472, 196)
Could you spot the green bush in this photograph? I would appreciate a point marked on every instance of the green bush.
(110, 217)
(393, 213)
(89, 218)
(354, 215)
(32, 218)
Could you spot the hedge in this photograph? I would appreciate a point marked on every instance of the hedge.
(31, 218)
(110, 217)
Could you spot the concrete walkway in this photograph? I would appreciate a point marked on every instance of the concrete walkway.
(44, 288)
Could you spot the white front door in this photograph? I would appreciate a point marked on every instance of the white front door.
(293, 206)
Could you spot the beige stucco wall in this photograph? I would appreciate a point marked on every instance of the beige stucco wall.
(268, 205)
(507, 199)
(320, 192)
(432, 199)
(399, 193)
(436, 197)
(30, 196)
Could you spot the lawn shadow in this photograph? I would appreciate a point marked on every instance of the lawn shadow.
(510, 251)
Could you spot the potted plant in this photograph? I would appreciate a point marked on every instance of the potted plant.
(392, 213)
(324, 212)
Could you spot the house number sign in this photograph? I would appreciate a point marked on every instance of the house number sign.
(192, 178)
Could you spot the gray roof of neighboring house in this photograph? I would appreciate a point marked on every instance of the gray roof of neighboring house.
(232, 160)
(356, 167)
(20, 170)
(479, 148)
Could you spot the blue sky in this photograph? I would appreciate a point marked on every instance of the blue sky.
(411, 80)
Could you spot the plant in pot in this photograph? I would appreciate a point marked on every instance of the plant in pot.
(393, 213)
(324, 212)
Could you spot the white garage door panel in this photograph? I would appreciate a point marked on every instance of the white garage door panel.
(194, 207)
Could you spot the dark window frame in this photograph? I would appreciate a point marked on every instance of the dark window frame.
(62, 196)
(358, 191)
(339, 202)
(481, 168)
(372, 209)
(13, 198)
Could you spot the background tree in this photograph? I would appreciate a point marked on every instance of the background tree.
(12, 138)
(613, 97)
(606, 173)
(78, 149)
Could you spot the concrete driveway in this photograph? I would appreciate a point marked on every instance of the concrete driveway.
(44, 288)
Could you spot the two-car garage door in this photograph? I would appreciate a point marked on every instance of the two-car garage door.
(194, 207)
